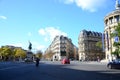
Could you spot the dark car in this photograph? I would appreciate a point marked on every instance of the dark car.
(65, 61)
(114, 64)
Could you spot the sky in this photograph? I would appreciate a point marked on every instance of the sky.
(39, 21)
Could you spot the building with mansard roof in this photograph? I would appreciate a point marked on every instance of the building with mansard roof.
(87, 49)
(62, 47)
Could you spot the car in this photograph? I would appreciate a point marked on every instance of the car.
(114, 64)
(65, 61)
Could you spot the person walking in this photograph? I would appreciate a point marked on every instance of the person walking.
(37, 62)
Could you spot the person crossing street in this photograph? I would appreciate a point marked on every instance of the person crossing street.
(37, 62)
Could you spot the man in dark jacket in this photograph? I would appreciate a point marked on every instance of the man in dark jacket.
(37, 62)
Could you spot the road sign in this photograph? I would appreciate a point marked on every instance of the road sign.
(116, 39)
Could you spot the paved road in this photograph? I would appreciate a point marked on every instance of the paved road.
(57, 71)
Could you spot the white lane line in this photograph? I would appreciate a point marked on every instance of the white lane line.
(9, 68)
(12, 67)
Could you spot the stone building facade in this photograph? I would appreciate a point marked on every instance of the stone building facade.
(87, 49)
(62, 47)
(110, 21)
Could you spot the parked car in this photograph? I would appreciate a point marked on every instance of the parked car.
(114, 64)
(65, 61)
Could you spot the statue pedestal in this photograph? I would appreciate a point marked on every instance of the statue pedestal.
(30, 55)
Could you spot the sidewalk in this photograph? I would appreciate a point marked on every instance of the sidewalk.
(95, 62)
(89, 62)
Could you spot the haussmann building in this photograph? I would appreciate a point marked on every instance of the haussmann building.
(87, 49)
(62, 47)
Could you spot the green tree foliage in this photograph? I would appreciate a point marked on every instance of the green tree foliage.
(116, 44)
(39, 54)
(6, 53)
(99, 44)
(0, 51)
(19, 53)
(116, 32)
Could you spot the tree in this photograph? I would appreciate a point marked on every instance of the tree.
(39, 54)
(6, 53)
(0, 53)
(116, 44)
(19, 53)
(48, 55)
(99, 44)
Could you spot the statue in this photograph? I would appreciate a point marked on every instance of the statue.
(29, 53)
(30, 45)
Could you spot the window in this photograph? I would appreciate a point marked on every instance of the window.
(117, 18)
(106, 22)
(111, 20)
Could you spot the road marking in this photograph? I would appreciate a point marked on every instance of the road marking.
(9, 68)
(13, 67)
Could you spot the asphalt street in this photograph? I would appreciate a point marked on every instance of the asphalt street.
(57, 71)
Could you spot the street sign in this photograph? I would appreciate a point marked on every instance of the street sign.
(116, 39)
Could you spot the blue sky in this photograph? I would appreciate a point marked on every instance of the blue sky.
(39, 21)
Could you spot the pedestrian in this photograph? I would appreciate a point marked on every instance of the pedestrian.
(37, 62)
(98, 59)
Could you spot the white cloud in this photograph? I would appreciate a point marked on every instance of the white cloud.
(3, 17)
(38, 46)
(42, 31)
(41, 47)
(90, 5)
(49, 33)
